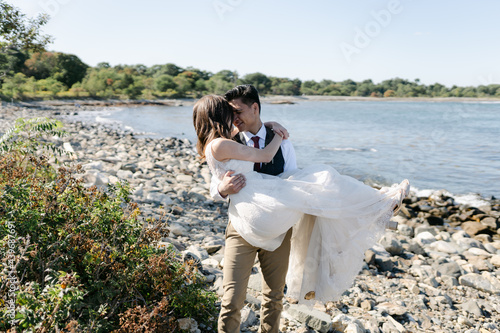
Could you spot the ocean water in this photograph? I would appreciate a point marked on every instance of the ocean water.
(436, 145)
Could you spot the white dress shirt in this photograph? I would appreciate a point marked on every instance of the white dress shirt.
(286, 149)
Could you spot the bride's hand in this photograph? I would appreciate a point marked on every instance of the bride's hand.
(278, 129)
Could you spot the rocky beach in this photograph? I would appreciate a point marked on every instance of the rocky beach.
(439, 272)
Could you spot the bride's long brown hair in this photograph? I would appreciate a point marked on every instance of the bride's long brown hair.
(212, 116)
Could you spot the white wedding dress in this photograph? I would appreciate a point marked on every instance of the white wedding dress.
(335, 219)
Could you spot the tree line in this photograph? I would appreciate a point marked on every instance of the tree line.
(27, 71)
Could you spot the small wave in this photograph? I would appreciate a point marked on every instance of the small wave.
(349, 149)
(103, 120)
(471, 199)
(483, 102)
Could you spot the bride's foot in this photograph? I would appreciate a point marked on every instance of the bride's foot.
(404, 189)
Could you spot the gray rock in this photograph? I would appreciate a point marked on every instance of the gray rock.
(124, 174)
(422, 271)
(391, 244)
(132, 167)
(212, 248)
(188, 325)
(158, 198)
(425, 228)
(425, 238)
(490, 248)
(367, 304)
(197, 196)
(406, 230)
(481, 264)
(248, 317)
(448, 269)
(217, 287)
(315, 319)
(490, 222)
(184, 178)
(414, 247)
(255, 281)
(253, 301)
(95, 178)
(472, 307)
(477, 252)
(369, 257)
(435, 220)
(446, 247)
(391, 309)
(146, 165)
(473, 330)
(480, 282)
(198, 251)
(178, 245)
(473, 228)
(178, 230)
(385, 264)
(392, 325)
(468, 243)
(450, 281)
(495, 260)
(210, 262)
(490, 326)
(93, 166)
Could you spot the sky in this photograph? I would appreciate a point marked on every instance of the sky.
(453, 42)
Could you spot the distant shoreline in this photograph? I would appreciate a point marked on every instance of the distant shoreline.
(276, 99)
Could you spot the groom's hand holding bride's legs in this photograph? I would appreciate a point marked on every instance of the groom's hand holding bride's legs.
(231, 183)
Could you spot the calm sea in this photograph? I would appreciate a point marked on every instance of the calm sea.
(446, 145)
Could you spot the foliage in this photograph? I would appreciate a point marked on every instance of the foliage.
(58, 75)
(82, 258)
(24, 138)
(19, 32)
(65, 68)
(11, 62)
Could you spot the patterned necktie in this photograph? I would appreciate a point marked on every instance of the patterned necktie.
(255, 139)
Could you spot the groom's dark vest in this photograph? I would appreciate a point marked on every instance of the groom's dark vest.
(277, 165)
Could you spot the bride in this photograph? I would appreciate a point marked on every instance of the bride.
(335, 218)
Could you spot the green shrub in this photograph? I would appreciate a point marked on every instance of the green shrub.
(77, 258)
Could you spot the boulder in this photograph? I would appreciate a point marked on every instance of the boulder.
(495, 260)
(391, 244)
(473, 228)
(446, 247)
(248, 317)
(490, 222)
(391, 309)
(188, 325)
(448, 268)
(425, 238)
(471, 307)
(481, 282)
(315, 319)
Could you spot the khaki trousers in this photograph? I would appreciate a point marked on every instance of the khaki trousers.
(239, 258)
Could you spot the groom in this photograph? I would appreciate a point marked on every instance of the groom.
(239, 255)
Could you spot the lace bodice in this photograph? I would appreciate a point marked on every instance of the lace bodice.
(219, 169)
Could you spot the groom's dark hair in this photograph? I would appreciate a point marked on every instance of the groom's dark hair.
(246, 92)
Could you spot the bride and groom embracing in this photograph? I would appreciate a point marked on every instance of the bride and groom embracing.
(309, 228)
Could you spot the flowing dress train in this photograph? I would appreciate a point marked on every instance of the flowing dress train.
(335, 219)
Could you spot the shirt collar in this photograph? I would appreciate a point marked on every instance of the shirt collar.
(261, 134)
